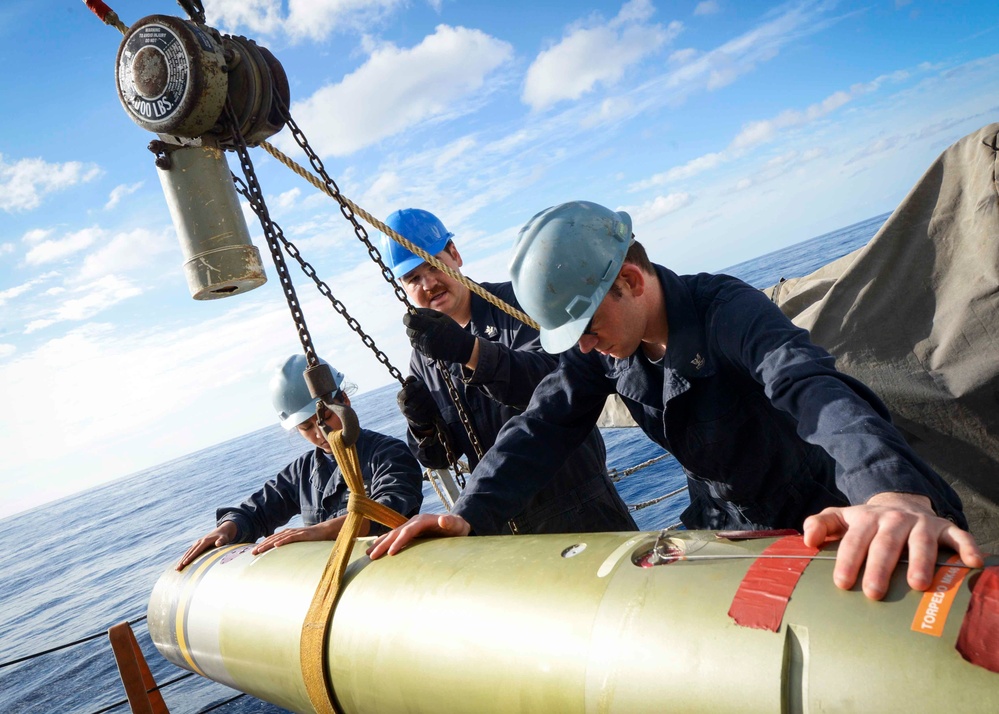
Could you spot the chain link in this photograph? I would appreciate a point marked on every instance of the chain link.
(460, 406)
(362, 235)
(345, 208)
(194, 9)
(323, 288)
(275, 239)
(251, 191)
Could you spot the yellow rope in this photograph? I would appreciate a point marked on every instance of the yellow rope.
(401, 240)
(317, 621)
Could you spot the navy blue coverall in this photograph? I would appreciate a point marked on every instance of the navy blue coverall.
(580, 497)
(765, 427)
(313, 486)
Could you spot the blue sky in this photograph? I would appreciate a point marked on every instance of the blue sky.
(727, 129)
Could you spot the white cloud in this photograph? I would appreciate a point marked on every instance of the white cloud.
(6, 248)
(397, 89)
(318, 18)
(683, 56)
(167, 381)
(125, 252)
(18, 290)
(93, 299)
(6, 350)
(385, 188)
(36, 235)
(765, 131)
(881, 145)
(288, 199)
(657, 208)
(257, 16)
(778, 166)
(48, 251)
(609, 110)
(591, 55)
(24, 183)
(679, 173)
(894, 77)
(304, 19)
(453, 151)
(760, 132)
(723, 65)
(11, 293)
(119, 192)
(708, 7)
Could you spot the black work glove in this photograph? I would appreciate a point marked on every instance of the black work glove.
(437, 336)
(417, 405)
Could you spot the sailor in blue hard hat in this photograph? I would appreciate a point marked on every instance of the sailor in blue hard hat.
(769, 433)
(494, 361)
(312, 485)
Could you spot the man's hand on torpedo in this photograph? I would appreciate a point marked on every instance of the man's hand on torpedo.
(878, 531)
(422, 525)
(223, 535)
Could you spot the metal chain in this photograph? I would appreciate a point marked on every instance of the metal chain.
(462, 412)
(376, 256)
(194, 10)
(273, 235)
(345, 208)
(255, 196)
(323, 288)
(444, 439)
(369, 342)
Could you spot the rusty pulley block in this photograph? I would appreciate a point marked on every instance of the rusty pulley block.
(174, 77)
(202, 92)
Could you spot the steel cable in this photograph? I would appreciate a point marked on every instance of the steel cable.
(80, 641)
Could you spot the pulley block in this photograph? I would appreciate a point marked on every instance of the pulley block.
(174, 76)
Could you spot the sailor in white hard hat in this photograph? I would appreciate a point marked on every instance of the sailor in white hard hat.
(312, 485)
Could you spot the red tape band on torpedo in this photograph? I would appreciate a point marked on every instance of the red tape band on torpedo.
(764, 592)
(979, 639)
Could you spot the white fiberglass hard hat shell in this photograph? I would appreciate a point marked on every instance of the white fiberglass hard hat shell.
(565, 260)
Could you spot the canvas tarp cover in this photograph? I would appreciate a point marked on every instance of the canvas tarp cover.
(915, 315)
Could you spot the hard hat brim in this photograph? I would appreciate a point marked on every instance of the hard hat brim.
(411, 263)
(293, 420)
(563, 337)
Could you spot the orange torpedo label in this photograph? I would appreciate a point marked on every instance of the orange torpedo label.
(931, 615)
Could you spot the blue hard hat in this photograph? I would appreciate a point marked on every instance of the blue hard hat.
(565, 260)
(420, 227)
(290, 394)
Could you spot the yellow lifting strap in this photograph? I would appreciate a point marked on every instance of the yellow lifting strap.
(401, 240)
(320, 614)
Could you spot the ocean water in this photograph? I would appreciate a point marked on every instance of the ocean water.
(75, 567)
